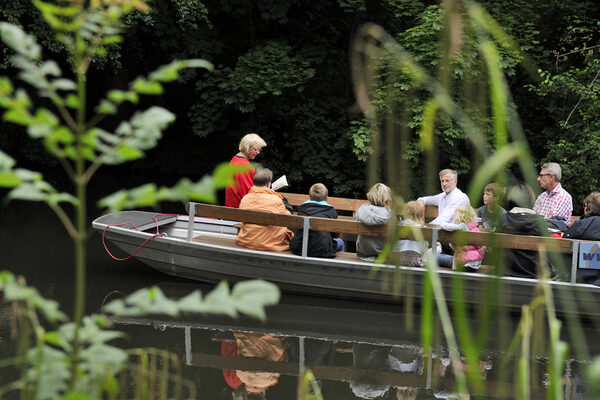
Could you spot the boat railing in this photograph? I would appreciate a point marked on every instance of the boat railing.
(346, 204)
(431, 233)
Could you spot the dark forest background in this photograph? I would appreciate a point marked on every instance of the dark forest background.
(282, 70)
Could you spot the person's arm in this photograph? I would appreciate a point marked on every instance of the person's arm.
(430, 200)
(449, 226)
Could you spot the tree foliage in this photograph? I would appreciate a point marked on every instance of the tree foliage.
(282, 71)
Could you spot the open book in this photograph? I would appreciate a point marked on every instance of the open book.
(280, 183)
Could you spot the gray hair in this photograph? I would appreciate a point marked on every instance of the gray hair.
(262, 176)
(448, 171)
(553, 169)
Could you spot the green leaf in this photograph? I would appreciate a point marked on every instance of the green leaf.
(28, 175)
(145, 86)
(18, 116)
(64, 84)
(39, 131)
(106, 107)
(19, 41)
(198, 63)
(117, 96)
(73, 102)
(9, 179)
(113, 39)
(50, 67)
(56, 198)
(27, 192)
(251, 297)
(223, 174)
(52, 338)
(115, 201)
(129, 153)
(218, 301)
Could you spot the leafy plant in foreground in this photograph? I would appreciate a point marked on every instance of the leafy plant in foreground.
(75, 360)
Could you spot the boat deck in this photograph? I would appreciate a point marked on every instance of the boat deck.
(344, 256)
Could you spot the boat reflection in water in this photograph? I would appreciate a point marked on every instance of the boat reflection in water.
(356, 350)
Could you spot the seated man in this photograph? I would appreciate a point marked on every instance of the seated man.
(320, 243)
(588, 228)
(448, 200)
(555, 201)
(261, 198)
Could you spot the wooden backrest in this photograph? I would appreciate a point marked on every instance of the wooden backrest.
(345, 204)
(354, 227)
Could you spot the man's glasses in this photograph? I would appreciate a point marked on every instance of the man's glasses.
(541, 175)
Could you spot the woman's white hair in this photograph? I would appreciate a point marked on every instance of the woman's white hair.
(251, 140)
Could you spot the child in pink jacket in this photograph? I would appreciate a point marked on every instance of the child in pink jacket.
(465, 218)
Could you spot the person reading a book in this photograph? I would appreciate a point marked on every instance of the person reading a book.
(250, 146)
(261, 198)
(320, 243)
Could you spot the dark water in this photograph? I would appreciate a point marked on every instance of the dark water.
(355, 349)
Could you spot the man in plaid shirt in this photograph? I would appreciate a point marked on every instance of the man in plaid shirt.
(555, 201)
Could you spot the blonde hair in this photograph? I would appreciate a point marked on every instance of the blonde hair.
(251, 140)
(318, 192)
(464, 214)
(413, 211)
(380, 195)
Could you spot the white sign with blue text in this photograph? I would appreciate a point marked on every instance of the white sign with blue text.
(589, 255)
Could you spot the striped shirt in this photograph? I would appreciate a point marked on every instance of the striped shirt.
(557, 202)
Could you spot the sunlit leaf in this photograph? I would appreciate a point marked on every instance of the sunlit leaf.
(52, 338)
(145, 86)
(18, 116)
(129, 153)
(9, 179)
(72, 101)
(223, 174)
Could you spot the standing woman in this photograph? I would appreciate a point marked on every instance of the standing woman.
(250, 146)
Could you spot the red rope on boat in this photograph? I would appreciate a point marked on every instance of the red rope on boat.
(157, 234)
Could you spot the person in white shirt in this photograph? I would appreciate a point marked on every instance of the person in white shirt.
(448, 200)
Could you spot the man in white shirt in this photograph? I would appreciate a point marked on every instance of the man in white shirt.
(448, 200)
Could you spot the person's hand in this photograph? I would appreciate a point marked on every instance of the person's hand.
(421, 203)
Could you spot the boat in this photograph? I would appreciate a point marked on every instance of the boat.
(204, 249)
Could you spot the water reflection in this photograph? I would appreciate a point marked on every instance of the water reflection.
(355, 351)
